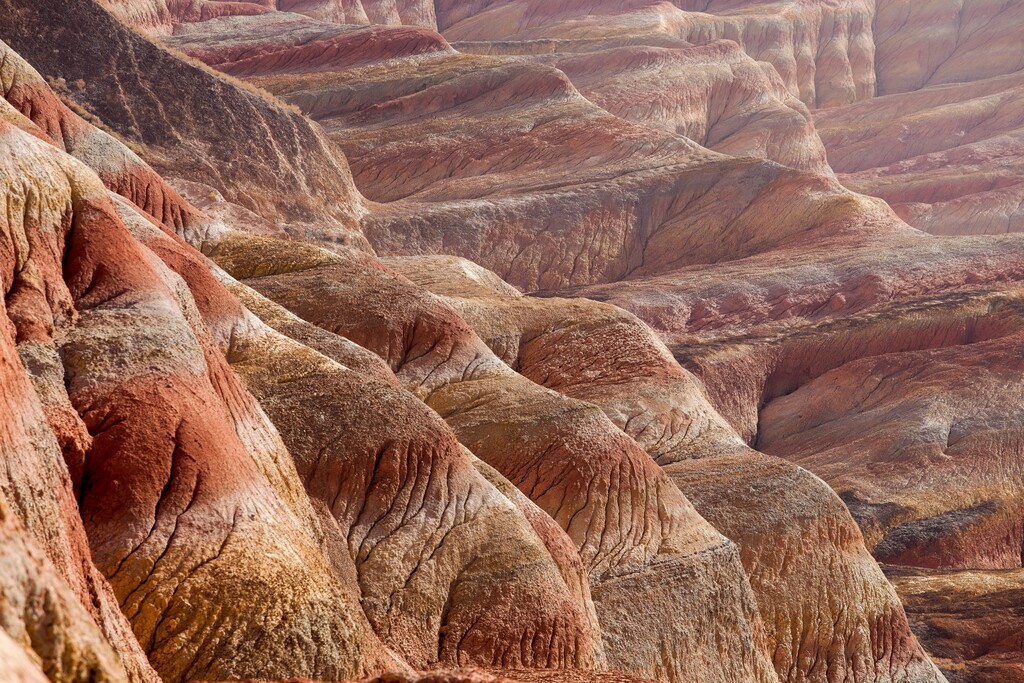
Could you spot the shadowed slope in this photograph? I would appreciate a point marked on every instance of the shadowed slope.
(191, 123)
(971, 620)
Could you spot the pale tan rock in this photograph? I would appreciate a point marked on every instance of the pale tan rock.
(806, 590)
(566, 455)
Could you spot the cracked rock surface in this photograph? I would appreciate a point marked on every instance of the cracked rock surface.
(510, 340)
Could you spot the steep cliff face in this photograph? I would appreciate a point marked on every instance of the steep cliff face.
(942, 145)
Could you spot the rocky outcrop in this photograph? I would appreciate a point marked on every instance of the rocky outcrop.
(56, 605)
(231, 485)
(450, 570)
(655, 402)
(164, 515)
(666, 537)
(47, 514)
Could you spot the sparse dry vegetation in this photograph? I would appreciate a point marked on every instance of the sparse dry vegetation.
(66, 93)
(237, 82)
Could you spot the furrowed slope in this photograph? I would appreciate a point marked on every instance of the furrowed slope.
(499, 154)
(469, 518)
(823, 51)
(445, 131)
(670, 538)
(546, 189)
(190, 123)
(941, 143)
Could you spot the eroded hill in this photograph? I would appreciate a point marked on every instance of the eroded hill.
(508, 340)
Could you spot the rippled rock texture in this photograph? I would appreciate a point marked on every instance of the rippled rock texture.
(510, 340)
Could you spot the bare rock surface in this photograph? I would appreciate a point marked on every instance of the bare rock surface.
(293, 177)
(947, 158)
(647, 202)
(632, 528)
(162, 520)
(641, 387)
(212, 322)
(823, 51)
(517, 341)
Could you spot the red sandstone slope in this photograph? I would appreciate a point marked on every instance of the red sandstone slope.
(162, 514)
(565, 545)
(559, 643)
(477, 520)
(643, 190)
(220, 42)
(854, 273)
(838, 649)
(627, 520)
(606, 356)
